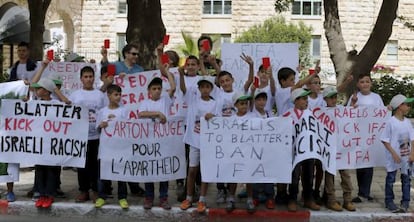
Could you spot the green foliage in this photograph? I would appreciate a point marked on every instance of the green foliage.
(190, 45)
(387, 87)
(276, 30)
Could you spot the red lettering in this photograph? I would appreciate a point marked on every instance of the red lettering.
(18, 124)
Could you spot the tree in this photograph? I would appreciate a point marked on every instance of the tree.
(145, 28)
(276, 29)
(37, 9)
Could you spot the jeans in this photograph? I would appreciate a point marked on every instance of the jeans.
(46, 178)
(389, 184)
(306, 168)
(88, 176)
(149, 190)
(122, 189)
(364, 179)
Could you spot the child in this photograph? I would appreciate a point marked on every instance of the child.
(304, 169)
(157, 108)
(200, 105)
(286, 78)
(398, 139)
(364, 97)
(94, 100)
(46, 176)
(330, 96)
(241, 103)
(106, 114)
(259, 110)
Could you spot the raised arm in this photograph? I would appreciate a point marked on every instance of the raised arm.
(171, 80)
(40, 71)
(182, 81)
(250, 76)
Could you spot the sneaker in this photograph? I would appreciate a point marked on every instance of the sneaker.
(357, 199)
(270, 204)
(221, 196)
(201, 207)
(180, 192)
(392, 207)
(335, 206)
(35, 196)
(349, 206)
(405, 206)
(311, 205)
(82, 197)
(185, 204)
(164, 204)
(123, 203)
(39, 202)
(148, 203)
(230, 206)
(250, 207)
(10, 197)
(47, 202)
(292, 206)
(99, 202)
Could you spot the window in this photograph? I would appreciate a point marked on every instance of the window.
(307, 7)
(121, 42)
(217, 7)
(392, 50)
(122, 6)
(315, 47)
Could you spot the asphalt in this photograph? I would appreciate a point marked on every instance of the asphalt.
(65, 209)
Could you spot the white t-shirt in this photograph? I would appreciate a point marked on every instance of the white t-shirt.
(197, 108)
(162, 105)
(372, 99)
(399, 135)
(22, 73)
(282, 99)
(94, 100)
(317, 102)
(257, 114)
(225, 102)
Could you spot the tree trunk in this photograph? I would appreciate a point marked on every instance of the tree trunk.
(146, 29)
(37, 9)
(363, 62)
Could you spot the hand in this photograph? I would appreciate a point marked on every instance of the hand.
(269, 72)
(122, 75)
(208, 116)
(396, 158)
(212, 60)
(108, 80)
(162, 118)
(103, 124)
(67, 101)
(181, 70)
(45, 62)
(247, 59)
(354, 99)
(104, 51)
(160, 48)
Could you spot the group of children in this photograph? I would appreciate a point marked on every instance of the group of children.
(208, 97)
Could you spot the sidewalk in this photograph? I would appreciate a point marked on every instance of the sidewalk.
(67, 208)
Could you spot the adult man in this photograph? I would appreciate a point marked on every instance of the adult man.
(129, 65)
(25, 68)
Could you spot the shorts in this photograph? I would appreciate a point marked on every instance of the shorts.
(194, 157)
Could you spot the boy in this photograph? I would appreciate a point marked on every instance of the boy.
(304, 169)
(330, 96)
(365, 97)
(46, 176)
(398, 139)
(106, 114)
(157, 108)
(200, 105)
(94, 100)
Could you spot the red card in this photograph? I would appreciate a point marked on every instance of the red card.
(256, 82)
(50, 55)
(165, 59)
(106, 43)
(111, 69)
(166, 39)
(206, 45)
(311, 71)
(266, 62)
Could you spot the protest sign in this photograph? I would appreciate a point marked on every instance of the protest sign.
(280, 54)
(246, 151)
(41, 132)
(143, 150)
(9, 172)
(360, 129)
(314, 137)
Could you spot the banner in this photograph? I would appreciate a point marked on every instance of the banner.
(143, 151)
(9, 172)
(280, 54)
(314, 137)
(246, 151)
(360, 129)
(41, 132)
(13, 90)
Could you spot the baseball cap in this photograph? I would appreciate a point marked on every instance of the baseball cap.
(155, 81)
(205, 79)
(56, 79)
(299, 92)
(329, 91)
(239, 96)
(259, 92)
(74, 57)
(45, 83)
(399, 99)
